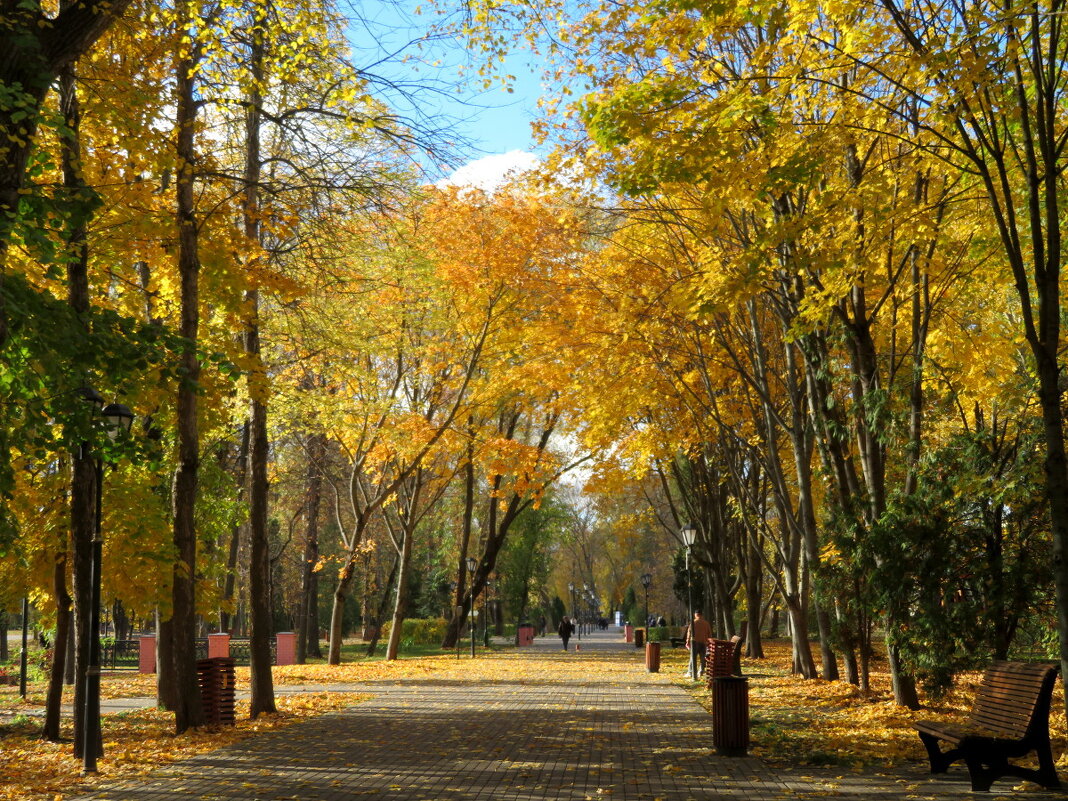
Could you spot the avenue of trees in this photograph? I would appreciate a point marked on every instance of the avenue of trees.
(791, 276)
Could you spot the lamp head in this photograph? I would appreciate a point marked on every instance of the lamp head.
(91, 396)
(689, 535)
(118, 417)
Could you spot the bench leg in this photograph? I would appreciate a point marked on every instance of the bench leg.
(982, 777)
(940, 761)
(1046, 774)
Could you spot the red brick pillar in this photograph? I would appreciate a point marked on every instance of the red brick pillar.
(218, 645)
(146, 655)
(286, 653)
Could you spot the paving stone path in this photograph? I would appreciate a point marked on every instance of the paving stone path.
(622, 736)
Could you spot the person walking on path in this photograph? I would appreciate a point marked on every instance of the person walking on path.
(565, 630)
(697, 637)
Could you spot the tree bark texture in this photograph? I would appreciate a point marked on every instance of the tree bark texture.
(54, 702)
(262, 682)
(226, 619)
(400, 607)
(83, 489)
(188, 711)
(308, 623)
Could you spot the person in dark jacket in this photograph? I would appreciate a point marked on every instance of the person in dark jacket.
(565, 630)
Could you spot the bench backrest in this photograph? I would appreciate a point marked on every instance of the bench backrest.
(1014, 699)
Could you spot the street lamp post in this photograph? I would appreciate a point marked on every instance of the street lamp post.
(485, 615)
(586, 600)
(472, 566)
(24, 656)
(647, 579)
(116, 417)
(689, 536)
(571, 598)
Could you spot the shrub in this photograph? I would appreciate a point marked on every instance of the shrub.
(659, 634)
(419, 631)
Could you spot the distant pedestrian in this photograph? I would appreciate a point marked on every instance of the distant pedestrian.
(565, 630)
(697, 637)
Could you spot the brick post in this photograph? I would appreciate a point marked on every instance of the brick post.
(286, 651)
(218, 645)
(146, 654)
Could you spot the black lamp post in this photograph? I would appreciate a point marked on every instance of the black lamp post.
(116, 417)
(472, 566)
(485, 614)
(571, 593)
(689, 536)
(647, 579)
(23, 657)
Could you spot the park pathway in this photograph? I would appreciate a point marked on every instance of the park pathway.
(565, 732)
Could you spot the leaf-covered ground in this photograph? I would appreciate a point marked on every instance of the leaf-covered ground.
(794, 722)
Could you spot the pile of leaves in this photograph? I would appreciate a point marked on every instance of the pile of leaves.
(796, 722)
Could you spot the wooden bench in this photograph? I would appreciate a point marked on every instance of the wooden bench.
(1009, 719)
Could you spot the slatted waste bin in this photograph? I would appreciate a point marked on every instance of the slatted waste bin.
(719, 659)
(652, 657)
(217, 684)
(639, 638)
(730, 715)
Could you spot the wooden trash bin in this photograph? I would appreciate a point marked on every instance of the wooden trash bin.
(730, 715)
(639, 638)
(217, 690)
(652, 657)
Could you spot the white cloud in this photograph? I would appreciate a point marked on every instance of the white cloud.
(491, 172)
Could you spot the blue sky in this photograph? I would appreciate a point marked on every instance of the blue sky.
(428, 87)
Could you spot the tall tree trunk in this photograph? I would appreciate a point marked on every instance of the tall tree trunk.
(801, 435)
(188, 711)
(754, 647)
(262, 682)
(226, 620)
(383, 604)
(308, 619)
(59, 655)
(83, 487)
(166, 683)
(400, 608)
(337, 615)
(456, 623)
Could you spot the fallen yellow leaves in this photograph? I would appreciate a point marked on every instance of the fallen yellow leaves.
(134, 743)
(815, 722)
(139, 741)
